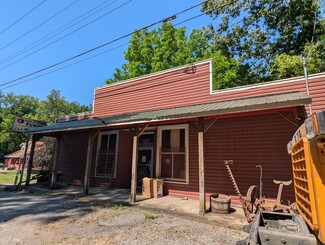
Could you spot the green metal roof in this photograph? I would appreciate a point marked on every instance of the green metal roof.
(210, 109)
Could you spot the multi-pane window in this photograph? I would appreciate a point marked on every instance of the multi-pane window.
(106, 155)
(173, 154)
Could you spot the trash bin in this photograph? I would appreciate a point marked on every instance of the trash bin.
(158, 188)
(147, 187)
(220, 203)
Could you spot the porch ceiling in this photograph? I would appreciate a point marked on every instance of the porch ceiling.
(273, 101)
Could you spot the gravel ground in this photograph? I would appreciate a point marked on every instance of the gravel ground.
(27, 218)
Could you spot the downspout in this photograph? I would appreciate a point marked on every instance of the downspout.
(304, 63)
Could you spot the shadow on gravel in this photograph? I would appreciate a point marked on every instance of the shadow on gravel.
(36, 201)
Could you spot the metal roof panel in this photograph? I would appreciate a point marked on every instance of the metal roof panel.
(217, 108)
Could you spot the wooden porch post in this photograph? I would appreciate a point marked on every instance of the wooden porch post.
(202, 204)
(134, 168)
(31, 157)
(136, 134)
(55, 163)
(91, 138)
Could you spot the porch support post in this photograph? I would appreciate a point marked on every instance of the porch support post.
(136, 134)
(56, 159)
(31, 157)
(91, 137)
(134, 169)
(202, 204)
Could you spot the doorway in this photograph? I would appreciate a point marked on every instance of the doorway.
(144, 168)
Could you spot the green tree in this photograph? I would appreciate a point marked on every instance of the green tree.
(11, 106)
(55, 106)
(48, 110)
(285, 66)
(167, 47)
(258, 31)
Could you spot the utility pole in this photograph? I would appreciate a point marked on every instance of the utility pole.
(304, 63)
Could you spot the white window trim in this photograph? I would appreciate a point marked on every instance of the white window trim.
(159, 137)
(116, 152)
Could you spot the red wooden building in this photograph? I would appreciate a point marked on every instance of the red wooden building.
(172, 125)
(14, 160)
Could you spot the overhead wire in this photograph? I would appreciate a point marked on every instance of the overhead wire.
(110, 42)
(39, 25)
(21, 18)
(68, 34)
(91, 57)
(64, 67)
(60, 30)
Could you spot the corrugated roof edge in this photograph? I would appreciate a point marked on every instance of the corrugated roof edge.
(198, 110)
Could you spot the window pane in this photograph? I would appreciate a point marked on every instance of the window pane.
(112, 141)
(165, 141)
(173, 154)
(179, 166)
(166, 165)
(146, 139)
(106, 155)
(182, 138)
(104, 141)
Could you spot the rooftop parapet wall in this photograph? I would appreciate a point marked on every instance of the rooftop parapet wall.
(181, 86)
(79, 116)
(190, 85)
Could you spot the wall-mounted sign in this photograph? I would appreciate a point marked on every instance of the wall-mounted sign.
(21, 124)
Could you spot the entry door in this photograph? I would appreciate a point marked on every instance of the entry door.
(144, 164)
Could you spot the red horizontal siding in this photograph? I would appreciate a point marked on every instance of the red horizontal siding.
(167, 90)
(123, 166)
(176, 88)
(249, 141)
(72, 157)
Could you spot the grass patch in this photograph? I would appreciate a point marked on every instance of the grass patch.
(118, 207)
(148, 216)
(8, 177)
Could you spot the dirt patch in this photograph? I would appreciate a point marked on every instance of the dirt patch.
(40, 219)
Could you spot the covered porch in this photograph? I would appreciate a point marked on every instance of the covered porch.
(182, 128)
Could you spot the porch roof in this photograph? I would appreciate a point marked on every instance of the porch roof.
(266, 102)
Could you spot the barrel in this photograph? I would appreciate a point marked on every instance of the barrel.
(220, 203)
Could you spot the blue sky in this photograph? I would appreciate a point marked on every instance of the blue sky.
(76, 82)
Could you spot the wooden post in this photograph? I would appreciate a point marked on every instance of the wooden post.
(202, 204)
(23, 164)
(30, 162)
(136, 134)
(55, 163)
(134, 168)
(88, 163)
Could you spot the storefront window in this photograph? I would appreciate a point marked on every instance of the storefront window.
(106, 155)
(173, 153)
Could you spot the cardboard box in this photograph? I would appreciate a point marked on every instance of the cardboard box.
(147, 187)
(158, 190)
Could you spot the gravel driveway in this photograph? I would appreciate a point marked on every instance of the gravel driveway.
(27, 218)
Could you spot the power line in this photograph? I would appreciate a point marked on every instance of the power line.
(64, 67)
(58, 31)
(68, 34)
(33, 29)
(25, 15)
(189, 19)
(91, 57)
(112, 41)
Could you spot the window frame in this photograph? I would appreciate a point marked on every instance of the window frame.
(97, 151)
(158, 152)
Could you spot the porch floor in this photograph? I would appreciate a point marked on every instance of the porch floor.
(189, 207)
